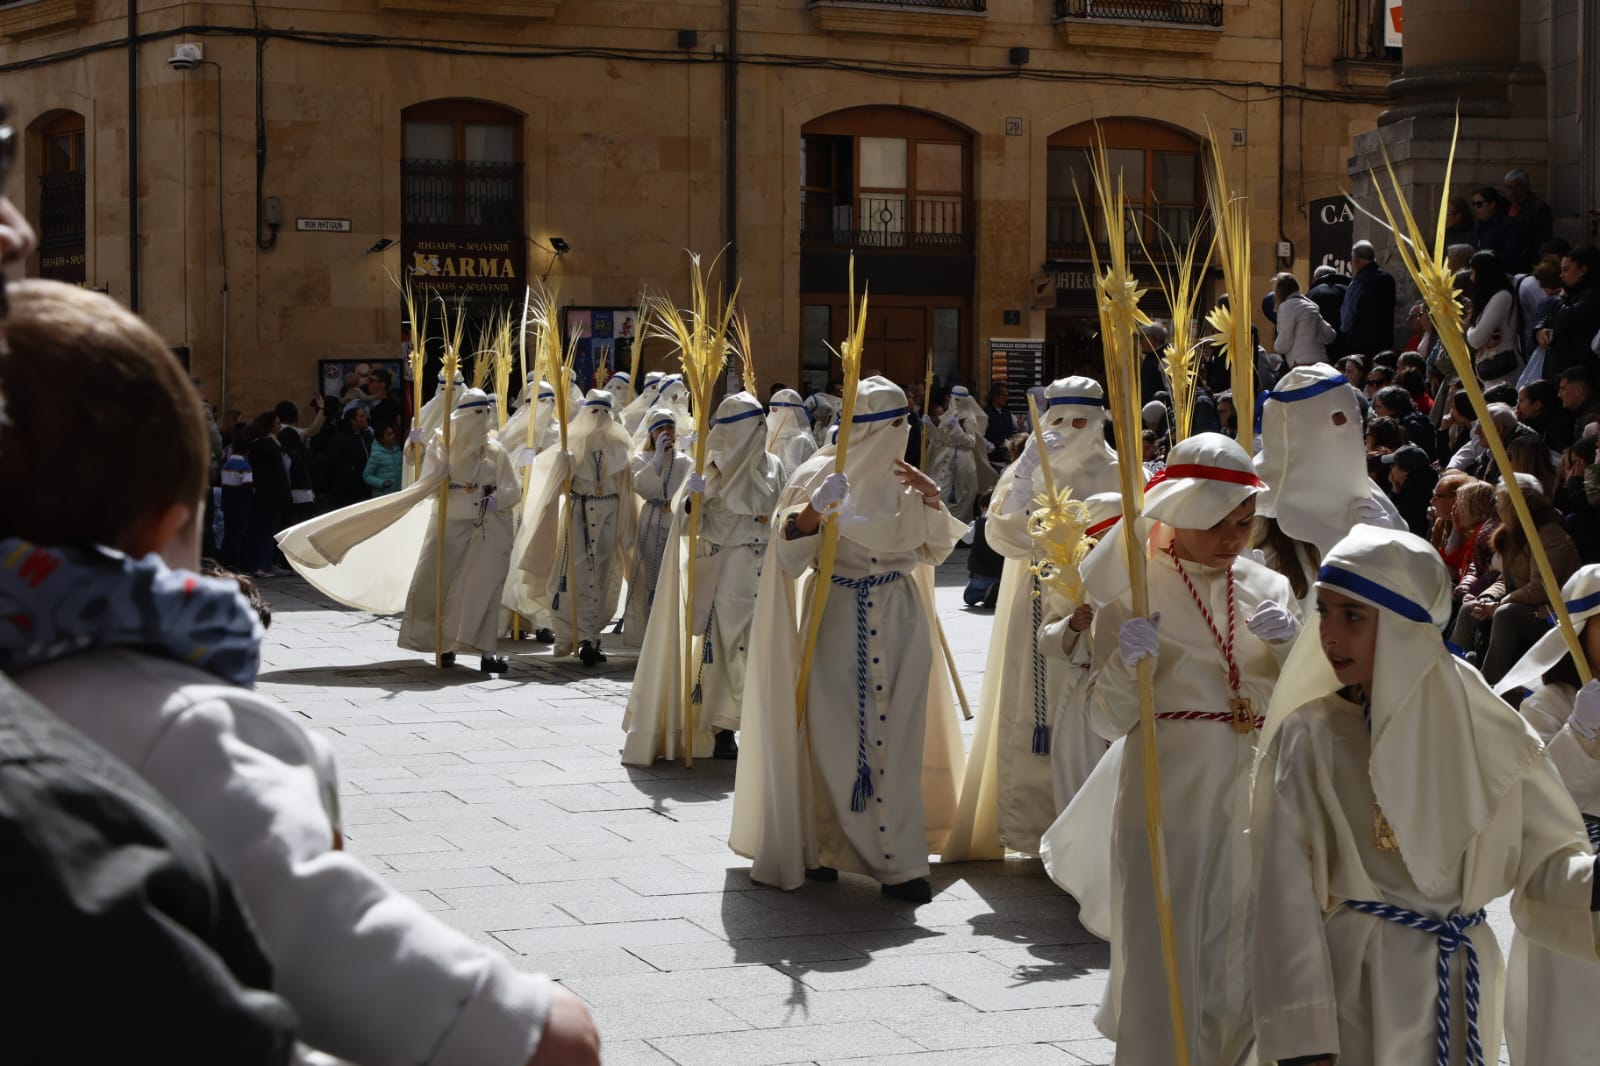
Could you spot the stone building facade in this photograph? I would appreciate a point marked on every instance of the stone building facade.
(254, 196)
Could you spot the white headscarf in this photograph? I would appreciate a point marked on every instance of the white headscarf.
(1445, 749)
(1581, 594)
(824, 408)
(593, 430)
(968, 410)
(788, 416)
(886, 512)
(1206, 477)
(670, 392)
(658, 417)
(743, 474)
(1314, 469)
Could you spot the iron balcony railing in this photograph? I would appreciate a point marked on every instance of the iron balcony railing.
(1177, 12)
(917, 223)
(943, 5)
(62, 221)
(447, 193)
(1066, 238)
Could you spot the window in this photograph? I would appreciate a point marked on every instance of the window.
(62, 202)
(1161, 176)
(886, 178)
(461, 167)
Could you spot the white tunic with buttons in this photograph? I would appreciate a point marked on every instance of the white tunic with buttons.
(889, 840)
(597, 528)
(655, 485)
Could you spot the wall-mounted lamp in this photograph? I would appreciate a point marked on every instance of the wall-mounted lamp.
(559, 246)
(380, 244)
(1020, 56)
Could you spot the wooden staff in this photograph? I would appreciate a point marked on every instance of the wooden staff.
(850, 358)
(1120, 319)
(950, 664)
(927, 426)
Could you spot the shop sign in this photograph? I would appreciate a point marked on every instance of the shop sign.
(472, 267)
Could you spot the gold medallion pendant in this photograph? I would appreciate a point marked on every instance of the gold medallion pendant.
(1244, 719)
(1382, 833)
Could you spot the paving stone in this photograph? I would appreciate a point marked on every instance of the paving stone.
(757, 950)
(1097, 1052)
(801, 1043)
(717, 984)
(635, 936)
(947, 1030)
(804, 1006)
(1008, 1055)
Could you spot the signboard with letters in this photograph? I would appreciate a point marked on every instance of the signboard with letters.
(1332, 231)
(322, 225)
(480, 269)
(1019, 362)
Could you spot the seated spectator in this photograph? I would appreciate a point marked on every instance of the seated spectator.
(1474, 518)
(1457, 256)
(1388, 359)
(1505, 423)
(1378, 377)
(1384, 435)
(1577, 395)
(1227, 416)
(1506, 394)
(1416, 383)
(1539, 408)
(1457, 223)
(372, 977)
(1576, 498)
(1354, 369)
(1395, 402)
(1410, 485)
(1517, 603)
(1442, 531)
(1528, 455)
(1495, 322)
(1491, 229)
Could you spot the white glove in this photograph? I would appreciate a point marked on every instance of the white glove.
(1369, 512)
(1018, 496)
(488, 504)
(415, 436)
(525, 458)
(1255, 555)
(686, 440)
(1585, 720)
(696, 484)
(832, 496)
(927, 421)
(1027, 462)
(1273, 623)
(951, 421)
(1137, 639)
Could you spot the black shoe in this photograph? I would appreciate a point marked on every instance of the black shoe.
(826, 874)
(447, 659)
(727, 747)
(494, 664)
(544, 636)
(590, 653)
(916, 890)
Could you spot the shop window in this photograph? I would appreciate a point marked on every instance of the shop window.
(63, 204)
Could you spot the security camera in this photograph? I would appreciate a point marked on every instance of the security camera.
(185, 57)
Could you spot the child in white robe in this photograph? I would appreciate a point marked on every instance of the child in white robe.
(1395, 798)
(1550, 998)
(789, 430)
(1008, 796)
(1217, 633)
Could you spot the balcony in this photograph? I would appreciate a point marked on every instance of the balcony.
(921, 224)
(1188, 27)
(1171, 12)
(31, 18)
(1066, 240)
(922, 20)
(444, 194)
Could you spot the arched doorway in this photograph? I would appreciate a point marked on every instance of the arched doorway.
(893, 185)
(1164, 180)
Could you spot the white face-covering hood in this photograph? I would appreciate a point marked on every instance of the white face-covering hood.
(470, 424)
(1312, 456)
(788, 417)
(595, 433)
(744, 476)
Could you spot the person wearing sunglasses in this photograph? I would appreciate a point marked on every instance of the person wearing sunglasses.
(1491, 226)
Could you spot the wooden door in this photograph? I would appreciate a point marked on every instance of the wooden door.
(896, 343)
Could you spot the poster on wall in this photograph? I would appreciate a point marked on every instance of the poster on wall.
(342, 381)
(605, 337)
(1393, 24)
(1019, 362)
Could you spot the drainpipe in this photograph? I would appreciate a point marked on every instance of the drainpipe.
(730, 147)
(133, 155)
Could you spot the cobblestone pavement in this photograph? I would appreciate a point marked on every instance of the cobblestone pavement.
(501, 805)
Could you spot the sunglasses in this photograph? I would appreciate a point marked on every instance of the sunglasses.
(1479, 203)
